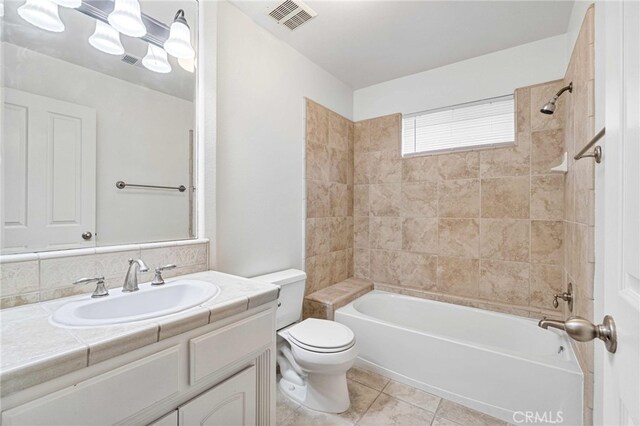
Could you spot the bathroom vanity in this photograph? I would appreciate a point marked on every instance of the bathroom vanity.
(211, 364)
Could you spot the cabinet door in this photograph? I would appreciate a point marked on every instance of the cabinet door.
(231, 403)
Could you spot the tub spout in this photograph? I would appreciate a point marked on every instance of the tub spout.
(546, 323)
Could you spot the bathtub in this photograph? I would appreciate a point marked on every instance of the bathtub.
(499, 364)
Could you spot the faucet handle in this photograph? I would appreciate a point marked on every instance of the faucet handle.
(158, 280)
(101, 289)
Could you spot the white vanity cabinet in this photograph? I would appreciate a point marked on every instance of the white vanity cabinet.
(219, 374)
(232, 402)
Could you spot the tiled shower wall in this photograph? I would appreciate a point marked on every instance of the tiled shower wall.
(579, 189)
(478, 228)
(329, 199)
(44, 276)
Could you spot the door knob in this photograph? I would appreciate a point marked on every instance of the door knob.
(87, 235)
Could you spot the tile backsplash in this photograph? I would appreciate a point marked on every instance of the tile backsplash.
(43, 276)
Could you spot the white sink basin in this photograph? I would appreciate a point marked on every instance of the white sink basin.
(148, 302)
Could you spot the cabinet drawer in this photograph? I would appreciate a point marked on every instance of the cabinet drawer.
(105, 399)
(213, 351)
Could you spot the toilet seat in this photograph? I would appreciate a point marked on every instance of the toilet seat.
(322, 336)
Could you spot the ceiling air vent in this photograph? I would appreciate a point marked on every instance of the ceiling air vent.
(131, 60)
(291, 13)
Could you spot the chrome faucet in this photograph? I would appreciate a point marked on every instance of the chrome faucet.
(583, 330)
(131, 280)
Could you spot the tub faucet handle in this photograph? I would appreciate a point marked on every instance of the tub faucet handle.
(567, 296)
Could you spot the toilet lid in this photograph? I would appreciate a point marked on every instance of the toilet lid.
(322, 335)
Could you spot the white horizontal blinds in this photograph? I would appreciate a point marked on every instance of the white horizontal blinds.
(479, 124)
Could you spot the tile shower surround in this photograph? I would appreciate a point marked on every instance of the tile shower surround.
(579, 210)
(37, 277)
(479, 228)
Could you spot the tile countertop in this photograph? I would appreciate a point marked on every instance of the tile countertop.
(34, 351)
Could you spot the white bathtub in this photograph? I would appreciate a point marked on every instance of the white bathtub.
(498, 364)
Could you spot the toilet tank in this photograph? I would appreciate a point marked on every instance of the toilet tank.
(291, 282)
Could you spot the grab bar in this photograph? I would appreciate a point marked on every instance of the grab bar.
(597, 151)
(122, 185)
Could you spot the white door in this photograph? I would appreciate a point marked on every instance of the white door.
(231, 403)
(49, 173)
(617, 381)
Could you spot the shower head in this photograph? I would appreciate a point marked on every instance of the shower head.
(550, 107)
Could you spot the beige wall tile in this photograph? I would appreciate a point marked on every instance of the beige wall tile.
(318, 162)
(422, 168)
(384, 133)
(340, 236)
(419, 199)
(313, 309)
(420, 235)
(458, 276)
(459, 237)
(505, 197)
(547, 197)
(318, 201)
(339, 268)
(361, 200)
(418, 270)
(459, 165)
(338, 165)
(546, 280)
(509, 161)
(540, 95)
(385, 167)
(361, 263)
(459, 198)
(385, 233)
(338, 131)
(546, 241)
(62, 272)
(317, 124)
(384, 199)
(547, 148)
(385, 266)
(19, 278)
(506, 282)
(361, 136)
(504, 239)
(361, 232)
(523, 110)
(318, 269)
(338, 199)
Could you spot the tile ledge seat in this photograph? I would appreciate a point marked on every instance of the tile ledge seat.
(323, 303)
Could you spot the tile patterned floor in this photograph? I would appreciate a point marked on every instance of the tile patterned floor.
(378, 401)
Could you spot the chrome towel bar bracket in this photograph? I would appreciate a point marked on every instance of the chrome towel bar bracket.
(122, 185)
(597, 151)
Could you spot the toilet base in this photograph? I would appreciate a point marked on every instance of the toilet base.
(320, 392)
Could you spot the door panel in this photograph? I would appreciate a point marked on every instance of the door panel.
(618, 225)
(49, 147)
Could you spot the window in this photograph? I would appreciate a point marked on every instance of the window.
(481, 124)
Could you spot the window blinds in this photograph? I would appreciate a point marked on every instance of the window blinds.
(489, 122)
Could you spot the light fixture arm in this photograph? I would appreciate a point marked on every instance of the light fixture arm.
(180, 17)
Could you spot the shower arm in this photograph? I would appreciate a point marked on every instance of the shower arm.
(564, 89)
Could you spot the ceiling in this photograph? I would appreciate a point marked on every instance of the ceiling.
(72, 45)
(367, 42)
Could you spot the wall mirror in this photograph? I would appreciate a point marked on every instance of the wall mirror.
(98, 142)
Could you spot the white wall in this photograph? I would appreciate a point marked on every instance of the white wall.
(261, 86)
(486, 76)
(142, 137)
(578, 12)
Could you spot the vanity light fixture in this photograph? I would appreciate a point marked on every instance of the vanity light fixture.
(127, 18)
(179, 42)
(106, 39)
(68, 3)
(156, 60)
(188, 65)
(43, 14)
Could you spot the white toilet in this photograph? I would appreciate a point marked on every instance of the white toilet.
(314, 355)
